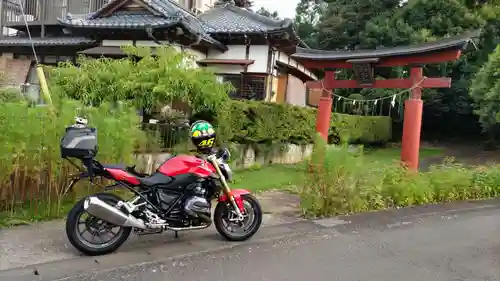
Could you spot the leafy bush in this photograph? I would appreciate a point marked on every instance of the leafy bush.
(143, 79)
(10, 95)
(340, 182)
(31, 169)
(258, 122)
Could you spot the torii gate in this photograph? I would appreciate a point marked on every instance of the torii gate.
(365, 61)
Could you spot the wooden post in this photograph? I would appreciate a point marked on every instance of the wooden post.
(412, 122)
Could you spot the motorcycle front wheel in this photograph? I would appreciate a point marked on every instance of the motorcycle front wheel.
(226, 223)
(93, 236)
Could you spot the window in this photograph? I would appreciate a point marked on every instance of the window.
(253, 87)
(246, 86)
(235, 80)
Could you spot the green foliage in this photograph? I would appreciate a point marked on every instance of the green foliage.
(341, 181)
(485, 91)
(257, 122)
(307, 14)
(31, 168)
(10, 95)
(361, 129)
(143, 79)
(341, 24)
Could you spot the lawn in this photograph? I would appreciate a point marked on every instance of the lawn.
(283, 176)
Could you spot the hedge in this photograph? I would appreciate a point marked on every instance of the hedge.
(259, 122)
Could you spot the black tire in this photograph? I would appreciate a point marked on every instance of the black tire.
(72, 225)
(221, 210)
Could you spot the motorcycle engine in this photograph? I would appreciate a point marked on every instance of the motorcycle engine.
(197, 205)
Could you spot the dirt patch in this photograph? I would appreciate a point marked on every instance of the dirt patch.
(466, 154)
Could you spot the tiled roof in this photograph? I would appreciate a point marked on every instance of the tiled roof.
(454, 42)
(232, 19)
(165, 13)
(125, 19)
(37, 41)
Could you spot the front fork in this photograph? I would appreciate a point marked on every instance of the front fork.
(225, 187)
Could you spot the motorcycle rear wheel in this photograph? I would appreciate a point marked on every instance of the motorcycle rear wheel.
(224, 211)
(86, 247)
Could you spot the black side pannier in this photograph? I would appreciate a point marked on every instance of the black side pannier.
(79, 143)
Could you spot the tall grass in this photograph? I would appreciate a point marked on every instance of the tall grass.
(32, 173)
(340, 181)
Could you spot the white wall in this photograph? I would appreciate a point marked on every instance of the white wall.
(284, 58)
(116, 43)
(295, 91)
(201, 5)
(198, 55)
(257, 53)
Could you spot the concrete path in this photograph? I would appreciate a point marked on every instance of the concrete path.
(459, 241)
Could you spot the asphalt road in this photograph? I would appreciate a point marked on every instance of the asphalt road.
(430, 244)
(440, 246)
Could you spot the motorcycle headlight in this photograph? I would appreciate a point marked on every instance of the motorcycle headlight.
(228, 171)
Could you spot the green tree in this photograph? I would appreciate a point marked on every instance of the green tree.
(307, 15)
(485, 91)
(342, 23)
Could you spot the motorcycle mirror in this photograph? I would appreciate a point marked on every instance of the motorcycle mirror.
(224, 154)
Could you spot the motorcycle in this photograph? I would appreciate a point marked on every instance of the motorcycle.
(177, 197)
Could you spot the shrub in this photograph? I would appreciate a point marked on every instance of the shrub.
(340, 182)
(31, 169)
(143, 79)
(259, 122)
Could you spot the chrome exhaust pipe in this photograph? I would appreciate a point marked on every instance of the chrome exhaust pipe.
(100, 209)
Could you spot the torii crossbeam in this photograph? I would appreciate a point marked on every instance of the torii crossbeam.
(364, 63)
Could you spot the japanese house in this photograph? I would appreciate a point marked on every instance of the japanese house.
(251, 51)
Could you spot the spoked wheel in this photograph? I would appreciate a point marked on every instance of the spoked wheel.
(93, 236)
(230, 227)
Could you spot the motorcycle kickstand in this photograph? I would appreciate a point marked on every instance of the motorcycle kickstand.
(176, 234)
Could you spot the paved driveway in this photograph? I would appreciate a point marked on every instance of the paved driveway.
(433, 243)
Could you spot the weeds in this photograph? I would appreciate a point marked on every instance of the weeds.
(341, 182)
(32, 173)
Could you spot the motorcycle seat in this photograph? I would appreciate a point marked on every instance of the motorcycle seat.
(129, 169)
(155, 179)
(115, 166)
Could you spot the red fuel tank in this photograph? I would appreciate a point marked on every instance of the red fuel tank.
(186, 164)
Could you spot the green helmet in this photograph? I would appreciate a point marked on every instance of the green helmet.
(203, 135)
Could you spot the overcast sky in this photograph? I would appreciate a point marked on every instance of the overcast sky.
(285, 8)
